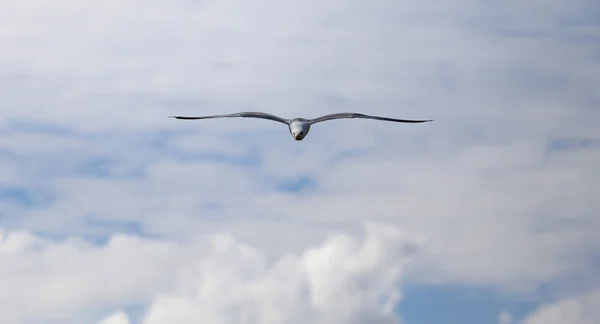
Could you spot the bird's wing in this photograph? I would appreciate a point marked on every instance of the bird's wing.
(357, 115)
(247, 114)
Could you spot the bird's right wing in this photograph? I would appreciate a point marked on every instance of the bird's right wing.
(246, 114)
(358, 115)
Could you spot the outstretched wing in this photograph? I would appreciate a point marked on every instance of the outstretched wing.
(357, 115)
(246, 114)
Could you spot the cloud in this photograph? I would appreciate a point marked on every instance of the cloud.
(345, 279)
(505, 318)
(497, 183)
(116, 318)
(56, 281)
(576, 310)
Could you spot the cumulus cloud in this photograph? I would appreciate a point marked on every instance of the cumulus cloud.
(505, 318)
(584, 309)
(56, 281)
(116, 318)
(346, 279)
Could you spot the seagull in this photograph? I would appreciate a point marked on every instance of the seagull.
(299, 127)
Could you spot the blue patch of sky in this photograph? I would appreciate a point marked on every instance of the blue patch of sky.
(571, 143)
(26, 197)
(159, 143)
(212, 205)
(248, 159)
(98, 167)
(349, 154)
(297, 185)
(457, 305)
(588, 17)
(50, 236)
(97, 238)
(17, 195)
(99, 231)
(145, 144)
(576, 282)
(128, 227)
(39, 127)
(136, 312)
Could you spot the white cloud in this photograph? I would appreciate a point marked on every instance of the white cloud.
(116, 318)
(341, 281)
(583, 309)
(345, 279)
(505, 318)
(501, 79)
(56, 281)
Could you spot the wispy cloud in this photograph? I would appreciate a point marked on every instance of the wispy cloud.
(501, 186)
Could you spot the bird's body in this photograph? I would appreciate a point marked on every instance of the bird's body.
(299, 127)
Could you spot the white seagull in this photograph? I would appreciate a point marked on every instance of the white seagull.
(299, 127)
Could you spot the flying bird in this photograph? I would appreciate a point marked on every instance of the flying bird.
(299, 127)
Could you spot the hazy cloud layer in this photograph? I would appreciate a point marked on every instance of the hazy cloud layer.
(500, 190)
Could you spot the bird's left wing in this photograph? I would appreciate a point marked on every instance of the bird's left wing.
(246, 114)
(358, 115)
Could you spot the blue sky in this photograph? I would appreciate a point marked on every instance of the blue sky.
(112, 213)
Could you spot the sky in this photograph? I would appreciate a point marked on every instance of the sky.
(112, 213)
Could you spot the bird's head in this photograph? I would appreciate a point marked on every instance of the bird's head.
(299, 130)
(298, 136)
